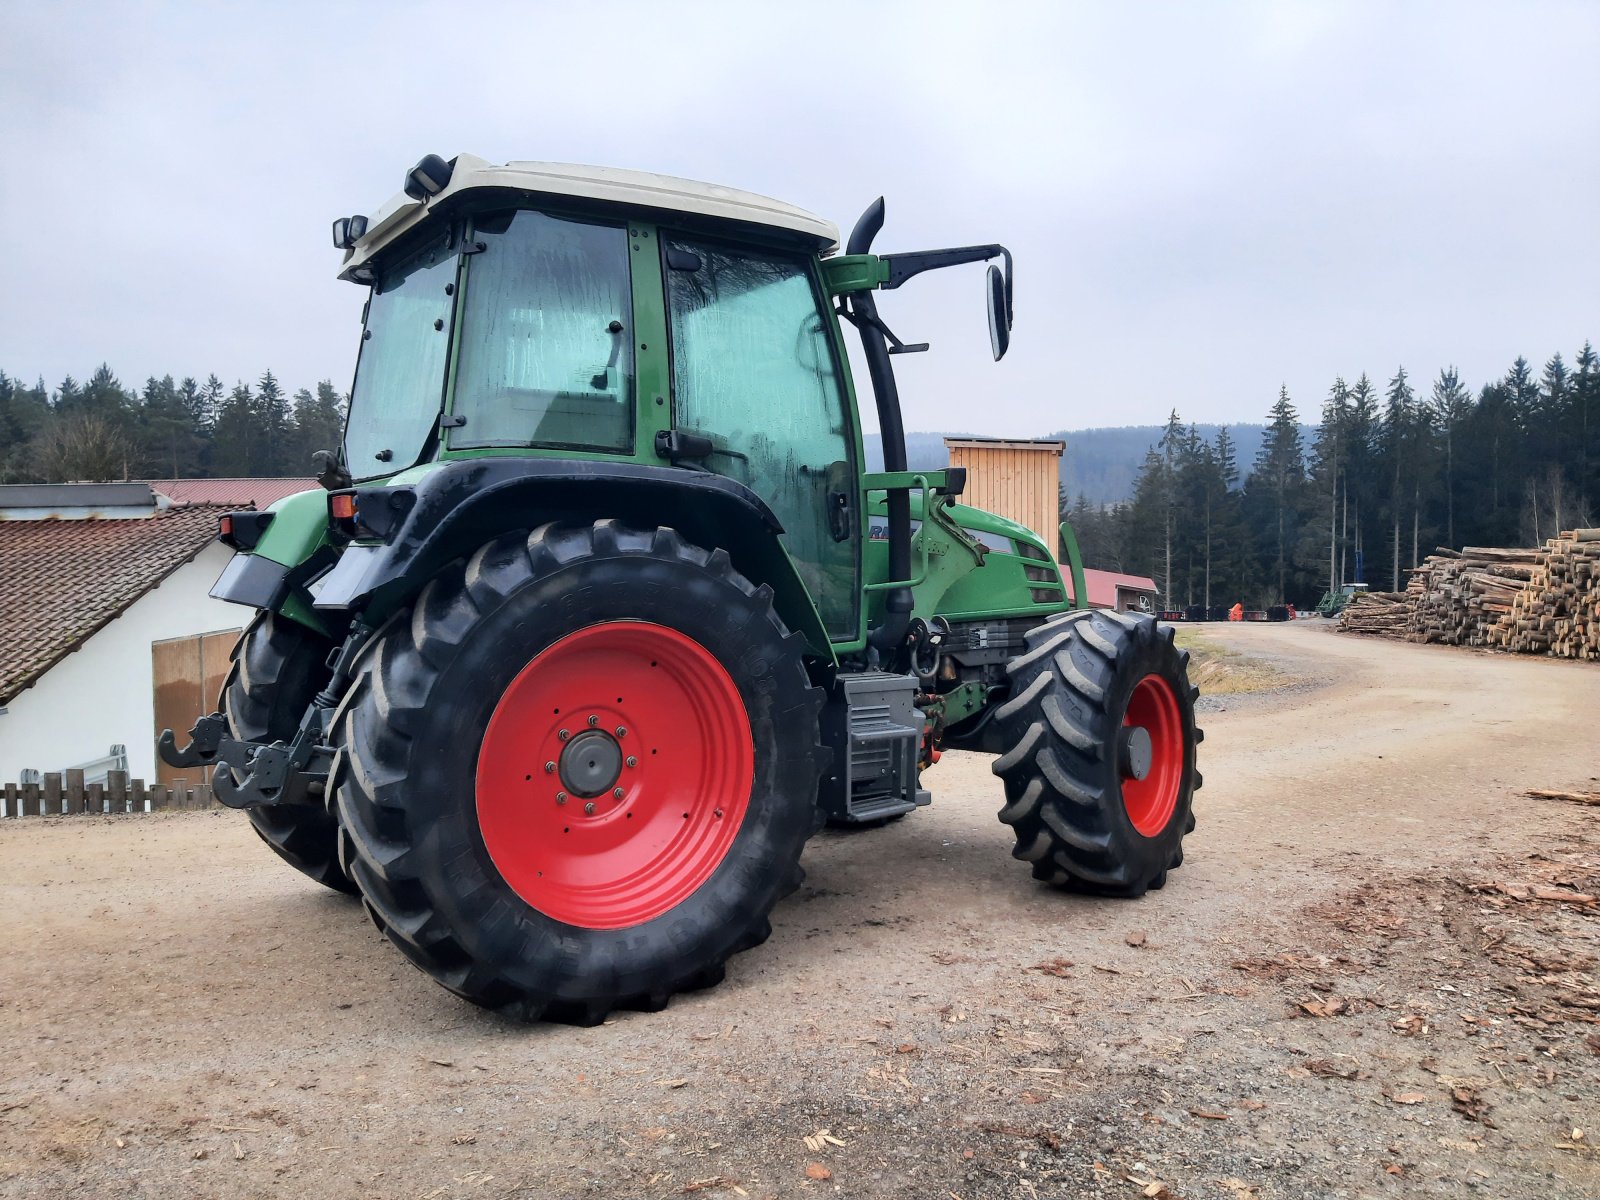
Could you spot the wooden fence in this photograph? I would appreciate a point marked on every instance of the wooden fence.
(63, 793)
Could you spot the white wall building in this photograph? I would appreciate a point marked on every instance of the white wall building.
(98, 584)
(102, 694)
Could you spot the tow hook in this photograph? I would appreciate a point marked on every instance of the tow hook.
(253, 774)
(204, 740)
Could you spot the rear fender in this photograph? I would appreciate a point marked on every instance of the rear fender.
(446, 511)
(293, 549)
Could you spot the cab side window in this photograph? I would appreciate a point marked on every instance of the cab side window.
(753, 370)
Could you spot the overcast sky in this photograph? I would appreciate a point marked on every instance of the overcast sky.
(1205, 200)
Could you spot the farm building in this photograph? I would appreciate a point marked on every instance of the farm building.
(108, 632)
(1015, 478)
(1124, 593)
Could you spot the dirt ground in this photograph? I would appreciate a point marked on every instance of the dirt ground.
(1373, 976)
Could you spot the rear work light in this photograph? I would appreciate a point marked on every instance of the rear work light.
(242, 530)
(374, 513)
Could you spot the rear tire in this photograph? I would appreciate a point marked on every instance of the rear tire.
(1100, 772)
(532, 889)
(278, 667)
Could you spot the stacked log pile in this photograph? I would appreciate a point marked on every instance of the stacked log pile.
(1387, 614)
(1558, 612)
(1460, 596)
(1544, 600)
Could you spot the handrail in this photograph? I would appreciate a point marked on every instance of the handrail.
(887, 481)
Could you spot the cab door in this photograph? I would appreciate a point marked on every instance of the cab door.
(755, 371)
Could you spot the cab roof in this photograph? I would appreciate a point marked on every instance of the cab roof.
(607, 185)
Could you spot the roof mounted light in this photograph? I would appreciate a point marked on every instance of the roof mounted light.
(428, 178)
(347, 231)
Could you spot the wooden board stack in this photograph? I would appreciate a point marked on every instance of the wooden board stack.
(1536, 601)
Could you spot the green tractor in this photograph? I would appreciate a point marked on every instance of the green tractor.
(1336, 600)
(599, 615)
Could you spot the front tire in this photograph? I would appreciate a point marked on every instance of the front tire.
(1100, 772)
(580, 776)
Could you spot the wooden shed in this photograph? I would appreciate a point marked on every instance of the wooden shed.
(1016, 479)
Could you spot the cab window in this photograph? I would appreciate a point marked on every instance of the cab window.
(546, 355)
(754, 370)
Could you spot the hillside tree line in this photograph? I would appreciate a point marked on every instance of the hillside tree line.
(1389, 472)
(101, 430)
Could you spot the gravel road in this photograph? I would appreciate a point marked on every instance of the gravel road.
(1351, 988)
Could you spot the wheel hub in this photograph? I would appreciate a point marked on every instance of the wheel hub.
(1137, 752)
(590, 764)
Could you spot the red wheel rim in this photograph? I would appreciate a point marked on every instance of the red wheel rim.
(1150, 800)
(657, 706)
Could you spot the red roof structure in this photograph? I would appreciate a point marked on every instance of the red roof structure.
(67, 579)
(232, 493)
(1102, 586)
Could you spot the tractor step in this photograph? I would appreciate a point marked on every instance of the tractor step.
(875, 730)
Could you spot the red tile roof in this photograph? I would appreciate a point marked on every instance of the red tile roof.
(1102, 586)
(234, 493)
(65, 579)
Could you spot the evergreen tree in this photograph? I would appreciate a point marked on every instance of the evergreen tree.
(104, 395)
(318, 425)
(1147, 518)
(1100, 532)
(1171, 448)
(1229, 561)
(24, 415)
(1402, 441)
(1361, 477)
(273, 422)
(238, 437)
(1201, 490)
(166, 432)
(1278, 477)
(1328, 454)
(1488, 484)
(1555, 443)
(1450, 404)
(210, 404)
(1586, 423)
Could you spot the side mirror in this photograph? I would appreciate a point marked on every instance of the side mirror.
(999, 313)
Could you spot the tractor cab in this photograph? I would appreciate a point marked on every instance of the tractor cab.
(598, 614)
(574, 314)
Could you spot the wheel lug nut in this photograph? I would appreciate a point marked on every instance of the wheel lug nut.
(632, 761)
(588, 809)
(621, 732)
(618, 793)
(549, 768)
(561, 797)
(593, 721)
(564, 735)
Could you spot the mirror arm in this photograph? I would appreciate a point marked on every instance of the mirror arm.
(901, 267)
